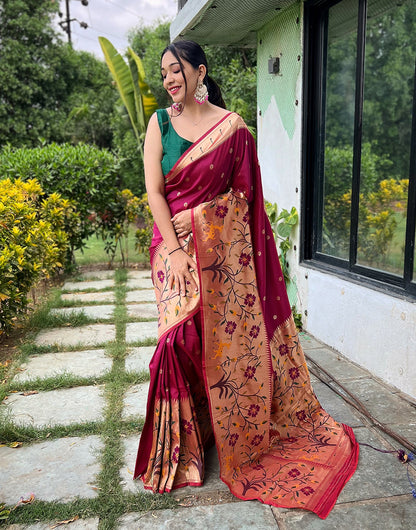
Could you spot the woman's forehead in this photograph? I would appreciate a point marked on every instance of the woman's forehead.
(168, 60)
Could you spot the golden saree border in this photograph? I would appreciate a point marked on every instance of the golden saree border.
(173, 308)
(275, 442)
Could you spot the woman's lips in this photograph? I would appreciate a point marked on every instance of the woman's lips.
(174, 90)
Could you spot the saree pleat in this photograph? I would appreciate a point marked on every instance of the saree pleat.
(177, 402)
(229, 367)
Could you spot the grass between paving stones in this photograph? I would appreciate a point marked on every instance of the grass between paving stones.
(112, 502)
(88, 290)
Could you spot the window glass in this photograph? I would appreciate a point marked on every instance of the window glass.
(339, 102)
(387, 120)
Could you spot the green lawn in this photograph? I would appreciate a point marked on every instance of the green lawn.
(94, 252)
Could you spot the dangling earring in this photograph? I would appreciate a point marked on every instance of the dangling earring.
(201, 93)
(177, 106)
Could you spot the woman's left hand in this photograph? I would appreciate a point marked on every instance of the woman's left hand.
(182, 223)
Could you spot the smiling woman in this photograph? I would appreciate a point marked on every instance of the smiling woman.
(228, 367)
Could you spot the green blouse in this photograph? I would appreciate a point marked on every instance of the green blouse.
(173, 145)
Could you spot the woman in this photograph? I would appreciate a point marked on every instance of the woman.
(228, 367)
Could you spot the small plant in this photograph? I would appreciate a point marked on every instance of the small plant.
(145, 230)
(282, 224)
(4, 512)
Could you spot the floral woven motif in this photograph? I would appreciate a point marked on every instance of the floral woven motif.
(275, 441)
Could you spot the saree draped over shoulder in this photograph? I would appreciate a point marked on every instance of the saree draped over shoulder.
(228, 367)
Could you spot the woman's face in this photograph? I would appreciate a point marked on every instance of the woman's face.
(173, 80)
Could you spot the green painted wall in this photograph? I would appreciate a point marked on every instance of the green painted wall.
(281, 37)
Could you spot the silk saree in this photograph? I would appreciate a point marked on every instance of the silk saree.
(228, 367)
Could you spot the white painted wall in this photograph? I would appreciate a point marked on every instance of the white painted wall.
(374, 329)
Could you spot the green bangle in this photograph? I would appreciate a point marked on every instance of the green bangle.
(179, 248)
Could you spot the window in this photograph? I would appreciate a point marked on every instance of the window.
(359, 165)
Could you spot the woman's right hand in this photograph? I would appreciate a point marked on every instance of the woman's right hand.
(181, 268)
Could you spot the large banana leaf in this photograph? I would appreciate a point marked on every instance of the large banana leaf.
(146, 103)
(123, 78)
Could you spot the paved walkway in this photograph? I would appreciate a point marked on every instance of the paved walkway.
(70, 417)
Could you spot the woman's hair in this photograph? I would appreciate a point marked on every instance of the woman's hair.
(192, 52)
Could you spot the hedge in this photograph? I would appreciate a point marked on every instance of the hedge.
(33, 242)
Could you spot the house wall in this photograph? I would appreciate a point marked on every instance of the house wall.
(372, 328)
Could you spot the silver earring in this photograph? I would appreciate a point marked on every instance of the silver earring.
(201, 93)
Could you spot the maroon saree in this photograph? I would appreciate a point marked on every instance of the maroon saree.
(228, 367)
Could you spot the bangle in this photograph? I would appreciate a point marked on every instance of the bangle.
(179, 248)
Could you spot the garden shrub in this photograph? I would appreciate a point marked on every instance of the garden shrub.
(84, 174)
(145, 223)
(33, 242)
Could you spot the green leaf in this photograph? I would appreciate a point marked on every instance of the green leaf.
(146, 103)
(123, 78)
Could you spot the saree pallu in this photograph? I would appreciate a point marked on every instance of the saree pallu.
(229, 366)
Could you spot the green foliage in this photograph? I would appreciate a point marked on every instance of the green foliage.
(124, 207)
(33, 243)
(44, 81)
(389, 79)
(4, 512)
(234, 69)
(148, 42)
(282, 225)
(129, 156)
(83, 174)
(145, 230)
(130, 81)
(377, 222)
(91, 101)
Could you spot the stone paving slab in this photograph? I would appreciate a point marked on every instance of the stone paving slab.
(139, 283)
(145, 295)
(142, 310)
(336, 364)
(135, 401)
(97, 274)
(107, 296)
(98, 285)
(56, 470)
(137, 275)
(336, 406)
(308, 342)
(140, 331)
(87, 363)
(82, 335)
(104, 312)
(380, 515)
(381, 402)
(131, 444)
(65, 406)
(79, 524)
(139, 358)
(378, 475)
(231, 516)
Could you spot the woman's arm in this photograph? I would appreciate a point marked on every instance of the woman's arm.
(180, 261)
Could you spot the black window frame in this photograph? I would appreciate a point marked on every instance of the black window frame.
(315, 46)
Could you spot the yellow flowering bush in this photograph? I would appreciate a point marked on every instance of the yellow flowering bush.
(145, 230)
(33, 242)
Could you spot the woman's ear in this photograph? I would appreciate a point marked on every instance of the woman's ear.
(202, 71)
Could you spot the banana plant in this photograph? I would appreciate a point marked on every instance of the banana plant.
(132, 87)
